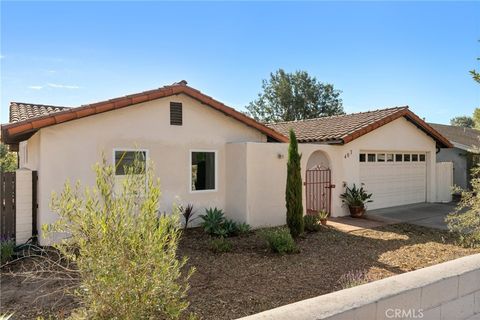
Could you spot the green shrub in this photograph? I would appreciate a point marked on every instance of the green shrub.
(465, 220)
(6, 250)
(280, 240)
(243, 228)
(293, 190)
(220, 245)
(312, 222)
(125, 252)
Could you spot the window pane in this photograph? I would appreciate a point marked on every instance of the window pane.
(381, 157)
(414, 157)
(389, 157)
(125, 160)
(203, 171)
(422, 158)
(371, 157)
(406, 157)
(398, 158)
(362, 157)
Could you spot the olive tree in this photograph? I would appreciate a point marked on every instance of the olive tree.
(124, 251)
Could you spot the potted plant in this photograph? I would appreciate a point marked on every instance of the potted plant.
(323, 215)
(356, 198)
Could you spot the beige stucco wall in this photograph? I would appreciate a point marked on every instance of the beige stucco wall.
(251, 173)
(68, 150)
(265, 168)
(398, 135)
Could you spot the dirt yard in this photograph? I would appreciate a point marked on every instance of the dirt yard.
(250, 279)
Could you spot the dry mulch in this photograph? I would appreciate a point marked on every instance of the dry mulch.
(250, 278)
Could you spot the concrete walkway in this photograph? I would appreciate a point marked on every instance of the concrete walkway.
(349, 224)
(430, 215)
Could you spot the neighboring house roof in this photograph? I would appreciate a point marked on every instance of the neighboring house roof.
(345, 128)
(22, 111)
(463, 138)
(13, 133)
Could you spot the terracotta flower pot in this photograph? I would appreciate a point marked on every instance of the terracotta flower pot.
(356, 211)
(323, 222)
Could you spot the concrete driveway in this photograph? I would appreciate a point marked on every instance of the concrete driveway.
(423, 214)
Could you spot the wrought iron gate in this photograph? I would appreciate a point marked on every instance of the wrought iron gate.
(318, 190)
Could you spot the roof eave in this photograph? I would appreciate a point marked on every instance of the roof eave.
(471, 149)
(440, 140)
(12, 130)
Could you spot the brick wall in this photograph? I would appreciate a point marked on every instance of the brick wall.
(446, 291)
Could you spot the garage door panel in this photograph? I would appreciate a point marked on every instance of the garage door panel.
(394, 183)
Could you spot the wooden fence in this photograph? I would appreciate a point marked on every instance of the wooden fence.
(7, 207)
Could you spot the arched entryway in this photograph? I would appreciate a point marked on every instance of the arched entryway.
(318, 183)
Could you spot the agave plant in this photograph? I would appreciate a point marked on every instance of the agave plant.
(243, 228)
(230, 227)
(356, 197)
(215, 224)
(213, 220)
(322, 214)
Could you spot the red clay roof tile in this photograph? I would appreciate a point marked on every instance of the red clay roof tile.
(26, 126)
(345, 128)
(22, 111)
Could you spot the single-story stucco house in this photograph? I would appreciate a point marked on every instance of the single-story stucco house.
(210, 155)
(465, 153)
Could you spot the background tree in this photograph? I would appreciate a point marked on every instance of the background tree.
(463, 121)
(293, 192)
(8, 160)
(294, 96)
(476, 118)
(476, 112)
(475, 74)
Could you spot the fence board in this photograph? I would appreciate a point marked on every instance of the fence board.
(7, 207)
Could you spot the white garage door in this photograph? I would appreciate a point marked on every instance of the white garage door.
(394, 178)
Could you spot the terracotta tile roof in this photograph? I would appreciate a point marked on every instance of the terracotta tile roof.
(15, 132)
(463, 138)
(345, 128)
(22, 111)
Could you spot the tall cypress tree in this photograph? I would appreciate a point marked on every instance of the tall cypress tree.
(293, 192)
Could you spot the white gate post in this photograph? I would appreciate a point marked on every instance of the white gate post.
(444, 185)
(23, 204)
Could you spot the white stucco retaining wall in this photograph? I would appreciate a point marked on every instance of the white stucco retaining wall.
(447, 291)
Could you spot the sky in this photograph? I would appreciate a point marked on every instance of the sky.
(379, 54)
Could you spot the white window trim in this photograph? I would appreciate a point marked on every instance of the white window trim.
(147, 157)
(190, 171)
(394, 152)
